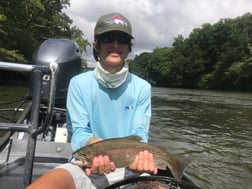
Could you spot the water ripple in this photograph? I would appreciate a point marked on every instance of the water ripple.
(212, 129)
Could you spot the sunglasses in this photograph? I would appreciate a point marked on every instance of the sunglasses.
(112, 36)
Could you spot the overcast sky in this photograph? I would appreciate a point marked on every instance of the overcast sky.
(155, 23)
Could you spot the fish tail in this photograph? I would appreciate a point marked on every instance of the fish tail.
(177, 168)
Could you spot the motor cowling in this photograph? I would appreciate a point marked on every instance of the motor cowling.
(66, 54)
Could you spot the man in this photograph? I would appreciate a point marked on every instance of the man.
(109, 102)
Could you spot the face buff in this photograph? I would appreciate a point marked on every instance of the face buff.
(111, 80)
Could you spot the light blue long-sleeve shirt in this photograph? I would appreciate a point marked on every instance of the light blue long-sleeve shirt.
(93, 110)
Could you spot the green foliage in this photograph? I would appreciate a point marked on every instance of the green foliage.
(76, 36)
(239, 74)
(25, 24)
(217, 56)
(11, 56)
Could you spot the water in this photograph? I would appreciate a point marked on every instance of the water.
(212, 129)
(11, 97)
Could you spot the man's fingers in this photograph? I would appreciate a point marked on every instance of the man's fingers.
(141, 164)
(88, 171)
(152, 166)
(107, 164)
(94, 168)
(112, 166)
(101, 165)
(134, 165)
(144, 162)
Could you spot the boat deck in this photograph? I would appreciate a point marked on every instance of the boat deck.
(47, 156)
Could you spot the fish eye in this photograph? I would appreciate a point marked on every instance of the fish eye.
(84, 155)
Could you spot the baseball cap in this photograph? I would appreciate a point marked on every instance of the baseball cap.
(113, 22)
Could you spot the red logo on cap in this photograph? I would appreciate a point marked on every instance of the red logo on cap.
(118, 20)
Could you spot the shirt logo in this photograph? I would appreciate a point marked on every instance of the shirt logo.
(130, 107)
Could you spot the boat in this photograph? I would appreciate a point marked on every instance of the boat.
(37, 140)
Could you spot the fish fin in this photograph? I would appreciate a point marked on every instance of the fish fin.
(177, 169)
(161, 166)
(134, 137)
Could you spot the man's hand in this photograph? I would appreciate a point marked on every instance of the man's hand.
(144, 163)
(101, 165)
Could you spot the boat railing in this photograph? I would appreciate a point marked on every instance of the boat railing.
(32, 127)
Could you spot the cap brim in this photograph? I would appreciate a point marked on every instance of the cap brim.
(114, 29)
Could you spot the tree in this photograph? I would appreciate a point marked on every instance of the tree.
(214, 56)
(28, 23)
(8, 55)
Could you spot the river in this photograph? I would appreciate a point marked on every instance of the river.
(212, 129)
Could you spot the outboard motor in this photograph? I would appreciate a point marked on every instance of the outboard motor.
(67, 55)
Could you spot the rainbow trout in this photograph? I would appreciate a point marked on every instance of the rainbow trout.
(122, 151)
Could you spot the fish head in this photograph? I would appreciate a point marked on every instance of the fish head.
(82, 159)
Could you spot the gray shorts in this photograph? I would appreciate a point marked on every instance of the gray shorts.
(93, 181)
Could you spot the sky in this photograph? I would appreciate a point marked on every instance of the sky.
(155, 23)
